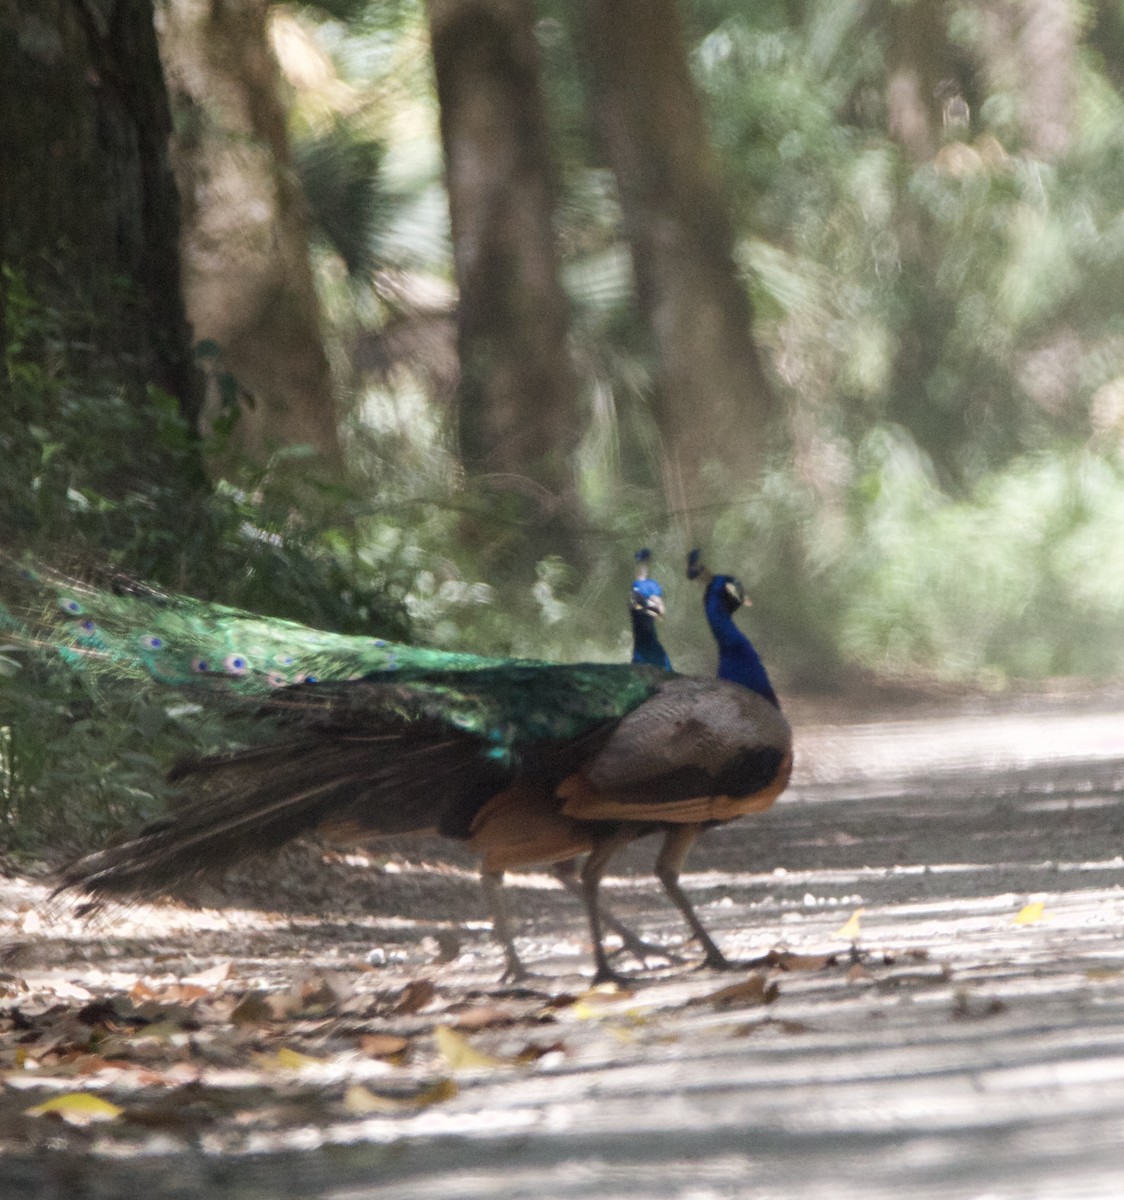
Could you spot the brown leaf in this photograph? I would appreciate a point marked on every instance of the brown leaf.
(383, 1045)
(532, 1052)
(185, 993)
(318, 993)
(806, 962)
(414, 997)
(484, 1017)
(252, 1009)
(754, 990)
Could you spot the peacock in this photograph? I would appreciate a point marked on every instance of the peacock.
(528, 762)
(645, 607)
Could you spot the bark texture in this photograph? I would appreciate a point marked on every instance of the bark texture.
(519, 416)
(713, 399)
(87, 198)
(247, 277)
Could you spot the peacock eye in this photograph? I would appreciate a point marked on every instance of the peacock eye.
(275, 679)
(87, 626)
(283, 660)
(70, 605)
(200, 666)
(235, 664)
(152, 642)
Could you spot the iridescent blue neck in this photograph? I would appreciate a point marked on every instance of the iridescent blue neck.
(646, 647)
(738, 661)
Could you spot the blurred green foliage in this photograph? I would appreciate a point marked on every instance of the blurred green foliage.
(947, 337)
(101, 475)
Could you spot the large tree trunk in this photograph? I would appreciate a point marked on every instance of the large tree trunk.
(247, 276)
(86, 194)
(921, 69)
(713, 399)
(519, 416)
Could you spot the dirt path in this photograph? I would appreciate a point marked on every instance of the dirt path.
(962, 1036)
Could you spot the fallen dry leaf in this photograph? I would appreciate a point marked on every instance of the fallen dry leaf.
(805, 962)
(754, 990)
(461, 1055)
(358, 1101)
(532, 1052)
(252, 1009)
(210, 977)
(1029, 914)
(77, 1108)
(850, 930)
(484, 1017)
(414, 997)
(383, 1045)
(285, 1059)
(361, 1101)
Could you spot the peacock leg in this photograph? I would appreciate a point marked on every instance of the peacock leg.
(567, 874)
(673, 854)
(496, 897)
(591, 875)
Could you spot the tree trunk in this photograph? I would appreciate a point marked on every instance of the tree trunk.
(86, 194)
(519, 415)
(247, 276)
(713, 399)
(920, 61)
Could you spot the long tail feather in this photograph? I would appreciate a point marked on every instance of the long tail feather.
(243, 806)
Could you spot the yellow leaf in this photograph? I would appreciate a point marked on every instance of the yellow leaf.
(359, 1101)
(1030, 913)
(284, 1059)
(460, 1054)
(442, 1090)
(850, 931)
(79, 1108)
(599, 1002)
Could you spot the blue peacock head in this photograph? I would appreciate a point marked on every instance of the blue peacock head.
(647, 595)
(724, 590)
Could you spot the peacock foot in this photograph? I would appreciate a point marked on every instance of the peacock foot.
(606, 975)
(643, 951)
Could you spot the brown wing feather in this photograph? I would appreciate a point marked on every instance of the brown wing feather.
(693, 735)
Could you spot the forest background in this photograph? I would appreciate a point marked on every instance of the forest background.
(419, 319)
